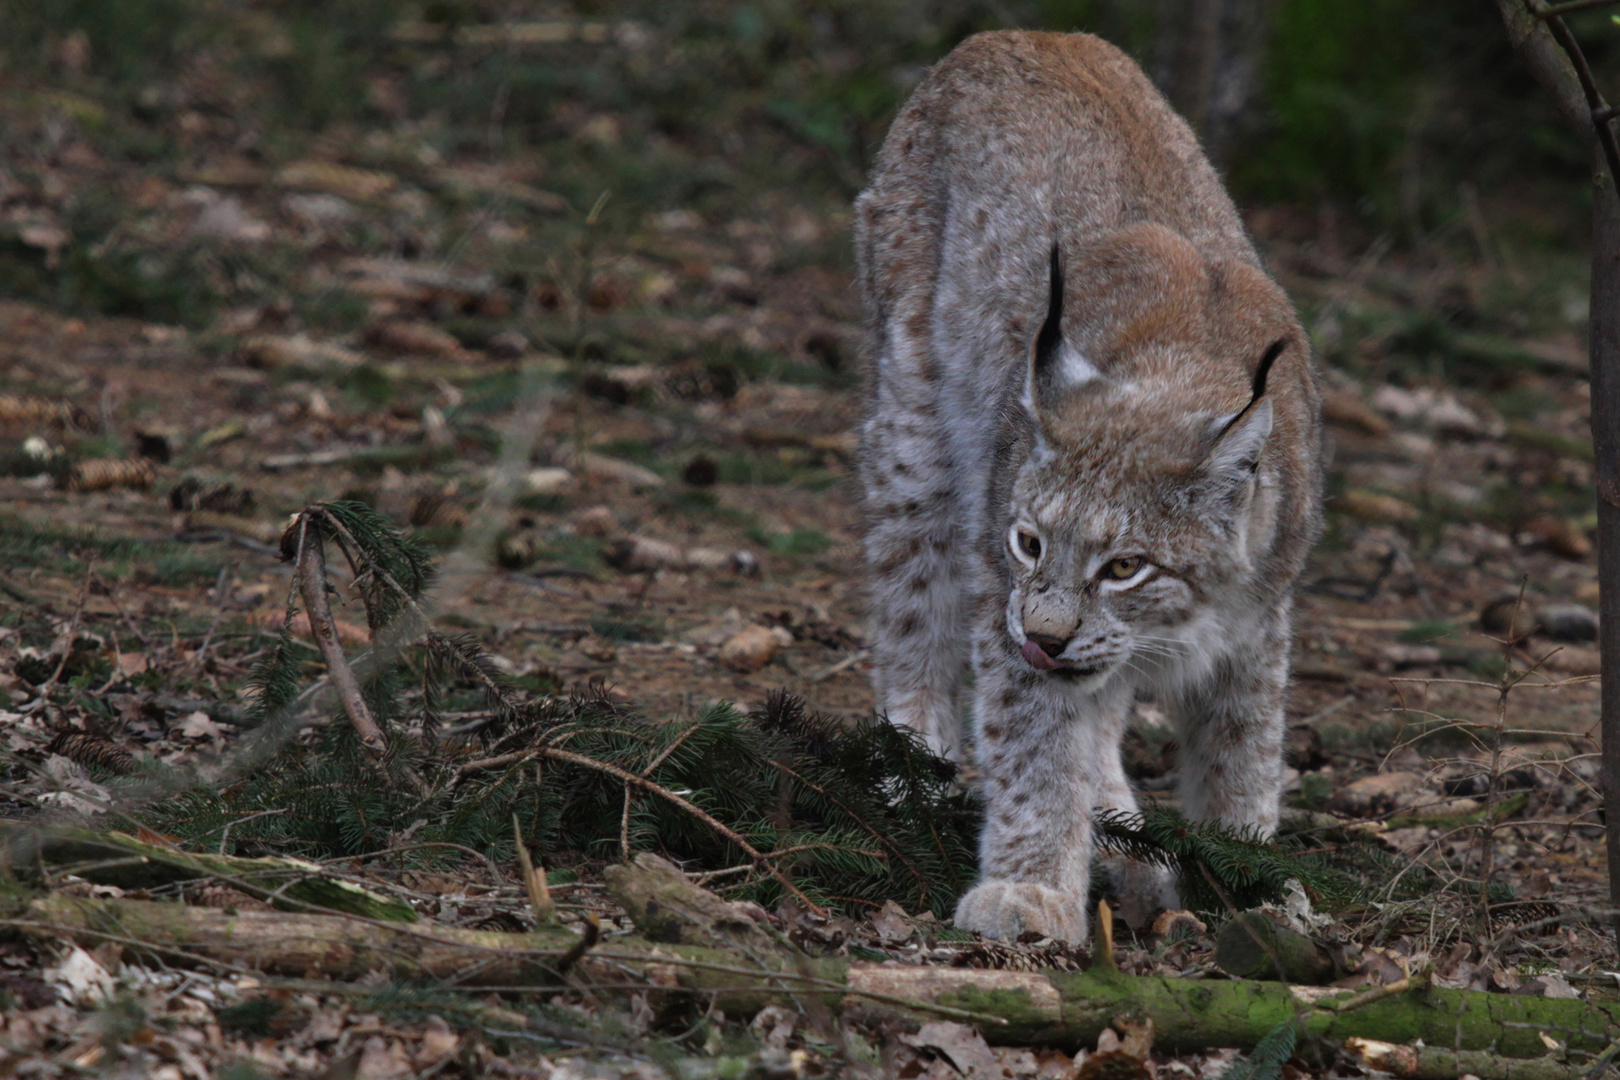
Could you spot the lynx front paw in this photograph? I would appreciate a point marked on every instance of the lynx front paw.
(1006, 909)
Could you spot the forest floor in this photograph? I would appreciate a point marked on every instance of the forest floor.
(690, 380)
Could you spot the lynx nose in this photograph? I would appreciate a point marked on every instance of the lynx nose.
(1049, 645)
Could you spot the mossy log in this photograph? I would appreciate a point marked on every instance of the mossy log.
(1251, 946)
(1435, 1063)
(115, 858)
(1015, 1007)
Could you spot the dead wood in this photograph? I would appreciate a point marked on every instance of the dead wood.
(312, 586)
(115, 858)
(743, 975)
(1438, 1063)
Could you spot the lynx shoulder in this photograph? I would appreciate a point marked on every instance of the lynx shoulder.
(1090, 456)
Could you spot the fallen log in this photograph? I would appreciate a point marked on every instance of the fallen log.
(296, 944)
(115, 858)
(711, 954)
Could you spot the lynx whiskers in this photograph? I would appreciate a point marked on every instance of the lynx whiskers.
(1090, 456)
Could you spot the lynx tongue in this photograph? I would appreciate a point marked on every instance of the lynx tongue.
(1037, 657)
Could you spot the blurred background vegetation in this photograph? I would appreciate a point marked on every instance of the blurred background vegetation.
(1387, 121)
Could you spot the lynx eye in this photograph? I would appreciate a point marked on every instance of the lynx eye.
(1026, 543)
(1123, 568)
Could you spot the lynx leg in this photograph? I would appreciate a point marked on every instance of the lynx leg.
(1232, 734)
(1142, 889)
(914, 556)
(1041, 753)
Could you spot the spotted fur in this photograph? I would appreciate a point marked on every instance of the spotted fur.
(1090, 454)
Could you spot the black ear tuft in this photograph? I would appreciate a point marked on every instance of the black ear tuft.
(1260, 373)
(1051, 335)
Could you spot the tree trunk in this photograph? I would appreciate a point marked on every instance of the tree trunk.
(1554, 68)
(1245, 33)
(742, 970)
(1207, 58)
(1605, 358)
(1198, 45)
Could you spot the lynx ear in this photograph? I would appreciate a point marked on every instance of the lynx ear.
(1055, 366)
(1239, 439)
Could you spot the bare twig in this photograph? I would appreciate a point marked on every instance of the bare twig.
(312, 585)
(225, 833)
(702, 815)
(624, 827)
(1379, 993)
(663, 755)
(1551, 66)
(843, 665)
(534, 880)
(1598, 108)
(489, 864)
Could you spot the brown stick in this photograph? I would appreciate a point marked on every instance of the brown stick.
(534, 880)
(1598, 109)
(312, 586)
(1548, 63)
(655, 788)
(712, 822)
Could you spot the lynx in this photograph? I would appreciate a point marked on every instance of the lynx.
(1090, 455)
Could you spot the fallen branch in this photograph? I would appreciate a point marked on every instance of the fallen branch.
(761, 859)
(115, 858)
(742, 967)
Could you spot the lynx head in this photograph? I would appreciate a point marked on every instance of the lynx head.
(1145, 505)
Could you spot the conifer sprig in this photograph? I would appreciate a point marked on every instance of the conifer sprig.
(1212, 859)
